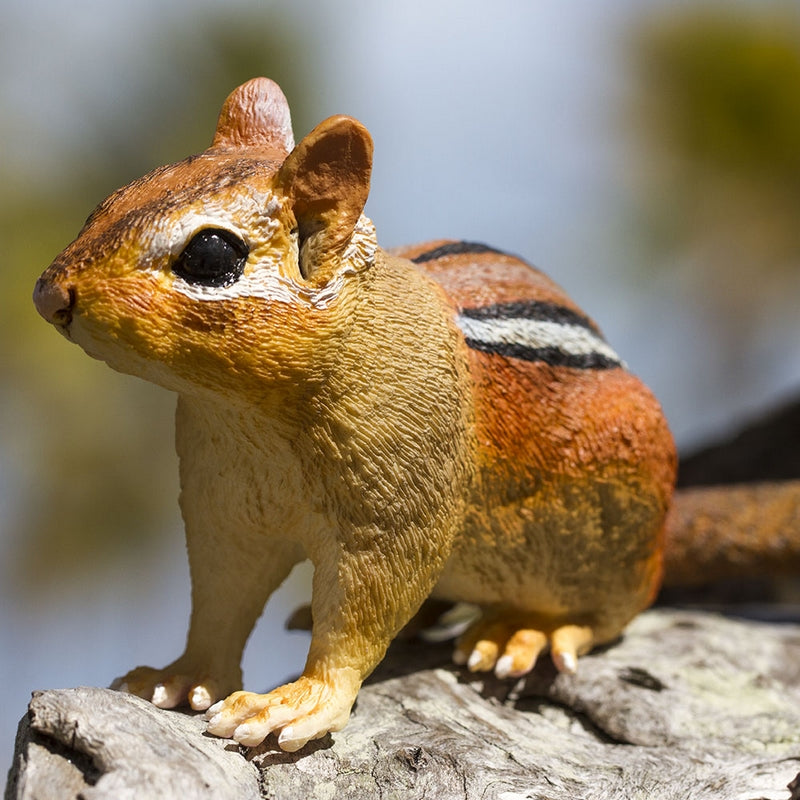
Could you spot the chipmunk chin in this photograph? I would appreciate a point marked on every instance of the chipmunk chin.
(78, 332)
(64, 328)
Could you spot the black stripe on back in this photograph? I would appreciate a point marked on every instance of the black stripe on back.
(455, 249)
(549, 355)
(532, 309)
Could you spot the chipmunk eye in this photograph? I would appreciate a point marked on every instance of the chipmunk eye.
(212, 257)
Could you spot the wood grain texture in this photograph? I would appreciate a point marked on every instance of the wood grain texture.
(686, 705)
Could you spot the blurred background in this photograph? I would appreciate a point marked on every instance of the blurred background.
(645, 153)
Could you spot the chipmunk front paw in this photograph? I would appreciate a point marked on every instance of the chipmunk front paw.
(300, 711)
(176, 685)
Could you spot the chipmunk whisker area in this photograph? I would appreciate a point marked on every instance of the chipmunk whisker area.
(437, 421)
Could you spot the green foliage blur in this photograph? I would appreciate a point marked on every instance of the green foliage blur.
(88, 458)
(717, 112)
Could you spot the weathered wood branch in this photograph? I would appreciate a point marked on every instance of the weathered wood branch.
(686, 705)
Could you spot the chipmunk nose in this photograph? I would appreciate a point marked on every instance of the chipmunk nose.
(53, 301)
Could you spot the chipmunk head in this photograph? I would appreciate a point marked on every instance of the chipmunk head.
(233, 263)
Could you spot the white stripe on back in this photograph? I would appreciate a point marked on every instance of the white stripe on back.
(536, 334)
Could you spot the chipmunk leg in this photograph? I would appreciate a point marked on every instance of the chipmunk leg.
(356, 613)
(230, 586)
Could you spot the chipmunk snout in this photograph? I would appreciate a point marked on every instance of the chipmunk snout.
(53, 301)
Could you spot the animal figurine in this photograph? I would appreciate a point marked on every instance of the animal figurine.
(440, 421)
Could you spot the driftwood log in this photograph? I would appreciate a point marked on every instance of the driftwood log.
(686, 705)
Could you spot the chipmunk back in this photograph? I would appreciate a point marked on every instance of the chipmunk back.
(441, 420)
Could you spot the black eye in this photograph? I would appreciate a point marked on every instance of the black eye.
(212, 257)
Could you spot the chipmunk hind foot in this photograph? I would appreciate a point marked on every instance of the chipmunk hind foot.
(510, 645)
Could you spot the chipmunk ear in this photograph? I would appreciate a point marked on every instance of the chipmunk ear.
(326, 178)
(255, 114)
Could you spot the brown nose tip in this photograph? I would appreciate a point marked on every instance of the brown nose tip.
(53, 302)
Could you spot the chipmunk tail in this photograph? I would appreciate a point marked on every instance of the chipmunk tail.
(733, 531)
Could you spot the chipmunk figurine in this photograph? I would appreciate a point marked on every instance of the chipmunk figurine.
(438, 421)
